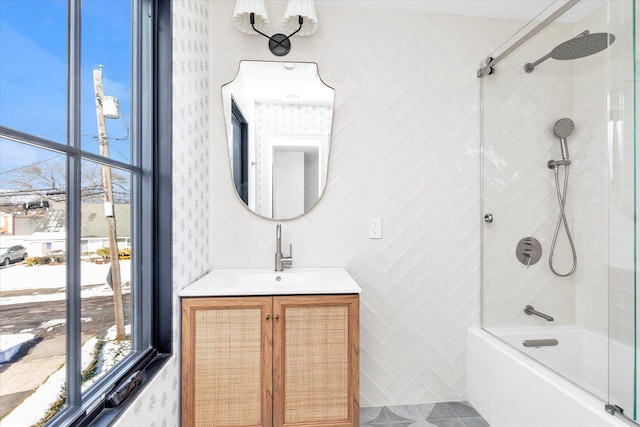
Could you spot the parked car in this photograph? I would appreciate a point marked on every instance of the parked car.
(13, 254)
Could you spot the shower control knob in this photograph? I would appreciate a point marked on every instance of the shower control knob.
(488, 218)
(529, 251)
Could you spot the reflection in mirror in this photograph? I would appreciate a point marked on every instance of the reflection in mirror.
(278, 117)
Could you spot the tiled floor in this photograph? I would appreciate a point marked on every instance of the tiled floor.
(451, 414)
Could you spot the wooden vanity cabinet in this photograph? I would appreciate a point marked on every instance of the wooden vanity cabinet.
(226, 361)
(270, 361)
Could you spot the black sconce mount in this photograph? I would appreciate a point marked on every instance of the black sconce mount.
(279, 44)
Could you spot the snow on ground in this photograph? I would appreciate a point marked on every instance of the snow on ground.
(50, 325)
(87, 292)
(19, 277)
(48, 283)
(33, 408)
(10, 345)
(53, 277)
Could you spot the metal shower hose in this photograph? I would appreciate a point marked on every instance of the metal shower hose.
(562, 218)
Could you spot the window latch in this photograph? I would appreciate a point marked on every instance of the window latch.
(125, 389)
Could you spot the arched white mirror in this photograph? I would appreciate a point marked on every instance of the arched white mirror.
(278, 117)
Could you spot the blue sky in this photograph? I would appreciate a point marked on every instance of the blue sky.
(33, 86)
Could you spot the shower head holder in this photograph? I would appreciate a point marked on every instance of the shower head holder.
(554, 164)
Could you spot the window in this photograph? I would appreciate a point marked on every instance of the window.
(85, 206)
(240, 152)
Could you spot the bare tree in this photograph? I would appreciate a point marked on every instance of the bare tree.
(46, 181)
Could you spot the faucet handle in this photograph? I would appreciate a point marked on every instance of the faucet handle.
(287, 261)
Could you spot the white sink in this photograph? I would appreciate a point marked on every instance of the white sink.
(279, 279)
(296, 281)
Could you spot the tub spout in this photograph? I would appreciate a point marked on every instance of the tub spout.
(530, 310)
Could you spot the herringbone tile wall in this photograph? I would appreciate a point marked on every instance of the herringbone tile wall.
(590, 172)
(520, 110)
(604, 197)
(405, 149)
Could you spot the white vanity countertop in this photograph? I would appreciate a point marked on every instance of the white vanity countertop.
(295, 281)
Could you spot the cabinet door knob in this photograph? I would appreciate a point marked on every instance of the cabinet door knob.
(267, 317)
(277, 316)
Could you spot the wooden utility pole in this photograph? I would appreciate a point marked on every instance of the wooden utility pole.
(109, 209)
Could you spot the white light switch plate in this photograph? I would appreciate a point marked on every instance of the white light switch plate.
(375, 228)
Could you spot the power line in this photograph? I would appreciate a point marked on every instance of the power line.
(32, 164)
(60, 155)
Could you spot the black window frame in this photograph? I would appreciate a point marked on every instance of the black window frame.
(151, 206)
(240, 167)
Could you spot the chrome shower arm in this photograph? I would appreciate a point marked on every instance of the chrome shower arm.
(530, 66)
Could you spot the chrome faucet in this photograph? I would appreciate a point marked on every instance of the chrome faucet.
(282, 261)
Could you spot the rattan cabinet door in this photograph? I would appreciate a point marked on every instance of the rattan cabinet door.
(316, 362)
(227, 362)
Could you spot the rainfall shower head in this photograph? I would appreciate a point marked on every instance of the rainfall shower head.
(584, 44)
(562, 129)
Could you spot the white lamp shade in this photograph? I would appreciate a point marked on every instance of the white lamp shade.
(243, 10)
(307, 10)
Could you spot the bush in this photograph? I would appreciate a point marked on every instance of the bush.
(122, 253)
(61, 258)
(103, 252)
(42, 260)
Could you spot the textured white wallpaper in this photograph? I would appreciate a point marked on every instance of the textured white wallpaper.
(159, 402)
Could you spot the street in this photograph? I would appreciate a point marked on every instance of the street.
(17, 318)
(45, 320)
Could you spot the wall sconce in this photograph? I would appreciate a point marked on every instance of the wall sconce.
(250, 16)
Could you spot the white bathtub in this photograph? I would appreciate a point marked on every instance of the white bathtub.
(511, 389)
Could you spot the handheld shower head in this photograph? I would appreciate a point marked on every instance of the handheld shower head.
(562, 129)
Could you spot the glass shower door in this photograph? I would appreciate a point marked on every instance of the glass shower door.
(572, 116)
(622, 212)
